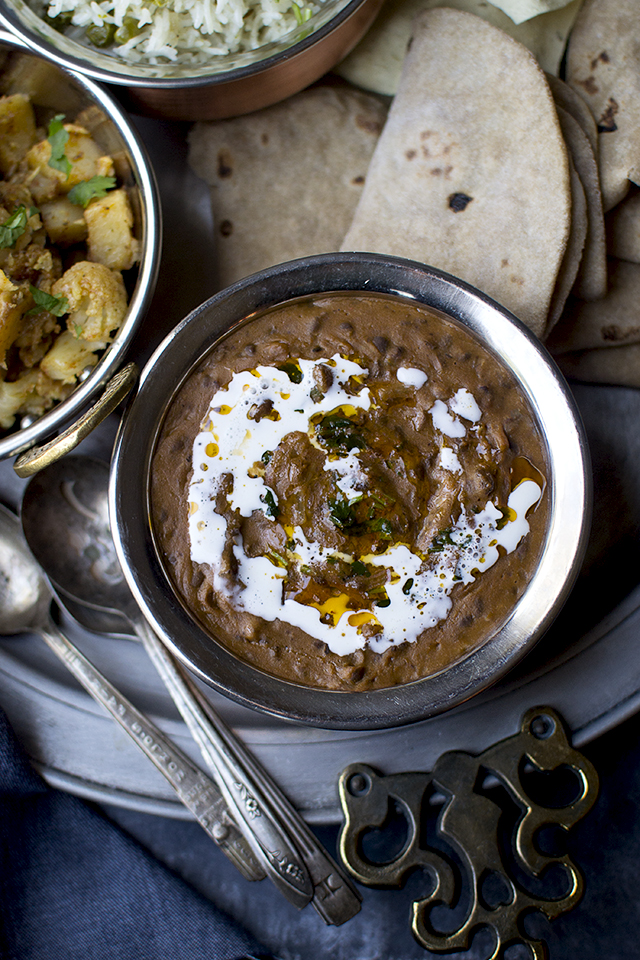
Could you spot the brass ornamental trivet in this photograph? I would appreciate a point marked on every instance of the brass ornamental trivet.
(486, 829)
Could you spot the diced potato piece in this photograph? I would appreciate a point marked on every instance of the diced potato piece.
(17, 130)
(97, 299)
(12, 306)
(82, 152)
(69, 356)
(110, 237)
(64, 221)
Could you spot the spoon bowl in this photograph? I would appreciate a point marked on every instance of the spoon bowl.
(25, 595)
(65, 518)
(25, 608)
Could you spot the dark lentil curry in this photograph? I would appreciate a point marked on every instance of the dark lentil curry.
(365, 527)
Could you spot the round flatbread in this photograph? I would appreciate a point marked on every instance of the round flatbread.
(591, 282)
(623, 228)
(376, 62)
(573, 253)
(286, 180)
(619, 367)
(603, 67)
(610, 322)
(471, 173)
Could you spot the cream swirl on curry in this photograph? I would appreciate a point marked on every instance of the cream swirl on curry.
(248, 419)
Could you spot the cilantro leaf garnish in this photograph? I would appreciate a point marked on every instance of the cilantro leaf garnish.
(58, 137)
(339, 433)
(341, 514)
(87, 190)
(14, 227)
(383, 527)
(359, 569)
(273, 509)
(292, 370)
(58, 306)
(440, 541)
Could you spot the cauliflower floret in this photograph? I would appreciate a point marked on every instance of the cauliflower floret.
(97, 299)
(69, 357)
(32, 393)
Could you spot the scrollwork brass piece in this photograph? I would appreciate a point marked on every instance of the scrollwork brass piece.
(478, 825)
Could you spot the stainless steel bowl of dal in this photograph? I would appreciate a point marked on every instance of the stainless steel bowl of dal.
(220, 81)
(139, 524)
(54, 91)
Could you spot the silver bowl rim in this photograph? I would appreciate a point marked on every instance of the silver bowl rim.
(39, 41)
(569, 487)
(68, 410)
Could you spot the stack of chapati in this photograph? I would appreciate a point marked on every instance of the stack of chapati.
(486, 166)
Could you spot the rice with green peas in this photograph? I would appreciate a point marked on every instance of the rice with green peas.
(178, 31)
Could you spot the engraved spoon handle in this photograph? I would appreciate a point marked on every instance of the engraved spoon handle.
(196, 790)
(243, 790)
(335, 897)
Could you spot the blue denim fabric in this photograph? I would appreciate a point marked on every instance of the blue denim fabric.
(73, 886)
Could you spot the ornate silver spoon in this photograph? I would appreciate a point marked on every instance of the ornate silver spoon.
(66, 522)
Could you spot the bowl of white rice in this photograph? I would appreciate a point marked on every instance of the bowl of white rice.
(194, 59)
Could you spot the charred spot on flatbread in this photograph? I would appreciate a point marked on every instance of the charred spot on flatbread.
(607, 123)
(459, 201)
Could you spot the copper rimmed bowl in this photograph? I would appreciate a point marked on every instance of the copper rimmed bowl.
(54, 90)
(226, 85)
(568, 486)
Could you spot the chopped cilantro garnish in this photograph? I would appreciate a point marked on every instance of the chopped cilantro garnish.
(440, 541)
(266, 456)
(339, 433)
(15, 226)
(406, 586)
(272, 507)
(58, 306)
(87, 190)
(341, 514)
(384, 602)
(381, 499)
(58, 138)
(383, 527)
(277, 558)
(292, 370)
(360, 569)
